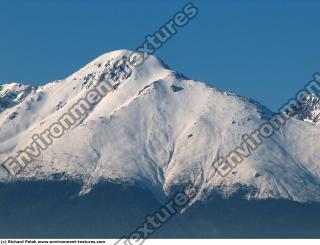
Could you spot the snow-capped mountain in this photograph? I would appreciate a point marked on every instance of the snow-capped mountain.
(157, 129)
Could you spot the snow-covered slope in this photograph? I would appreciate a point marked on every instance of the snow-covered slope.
(12, 94)
(310, 110)
(158, 129)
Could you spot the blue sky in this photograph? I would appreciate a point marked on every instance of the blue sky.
(266, 50)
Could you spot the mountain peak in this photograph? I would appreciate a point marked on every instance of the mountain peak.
(119, 61)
